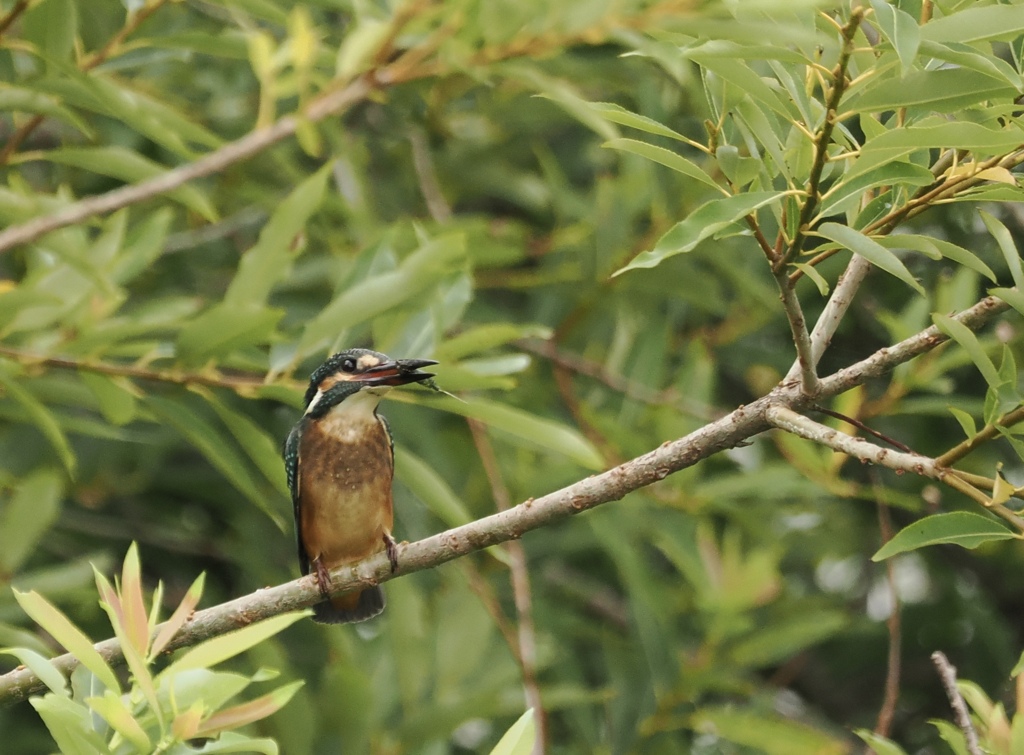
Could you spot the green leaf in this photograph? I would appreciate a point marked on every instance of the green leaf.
(41, 417)
(966, 421)
(705, 221)
(946, 90)
(130, 167)
(936, 248)
(120, 719)
(246, 713)
(1006, 245)
(617, 114)
(879, 744)
(1011, 296)
(115, 396)
(70, 725)
(19, 99)
(41, 667)
(847, 194)
(221, 329)
(767, 734)
(977, 24)
(269, 260)
(959, 528)
(217, 449)
(784, 639)
(537, 431)
(27, 516)
(665, 157)
(264, 451)
(870, 250)
(485, 337)
(430, 488)
(812, 273)
(520, 738)
(900, 28)
(968, 341)
(219, 649)
(68, 635)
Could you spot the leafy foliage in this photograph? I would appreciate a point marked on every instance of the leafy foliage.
(584, 211)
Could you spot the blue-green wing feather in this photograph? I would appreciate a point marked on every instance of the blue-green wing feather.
(291, 465)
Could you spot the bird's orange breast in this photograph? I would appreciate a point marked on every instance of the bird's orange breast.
(345, 474)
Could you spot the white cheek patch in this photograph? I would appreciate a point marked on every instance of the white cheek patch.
(316, 400)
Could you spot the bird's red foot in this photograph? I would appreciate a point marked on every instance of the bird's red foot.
(323, 579)
(391, 547)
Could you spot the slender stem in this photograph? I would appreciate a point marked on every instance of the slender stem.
(835, 310)
(947, 673)
(892, 672)
(521, 589)
(11, 15)
(809, 383)
(823, 140)
(987, 433)
(865, 428)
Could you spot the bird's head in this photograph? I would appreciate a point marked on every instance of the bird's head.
(349, 372)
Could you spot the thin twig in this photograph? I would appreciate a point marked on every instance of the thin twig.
(242, 384)
(426, 174)
(835, 310)
(798, 330)
(791, 421)
(947, 673)
(865, 428)
(892, 672)
(823, 140)
(612, 485)
(12, 14)
(521, 589)
(987, 433)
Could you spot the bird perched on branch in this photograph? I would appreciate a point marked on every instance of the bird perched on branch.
(340, 460)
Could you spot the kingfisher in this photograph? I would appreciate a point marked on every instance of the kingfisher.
(340, 460)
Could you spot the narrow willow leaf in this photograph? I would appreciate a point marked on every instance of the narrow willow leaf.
(219, 649)
(815, 276)
(870, 250)
(900, 28)
(1007, 246)
(218, 450)
(977, 24)
(1011, 296)
(68, 635)
(618, 114)
(946, 90)
(21, 100)
(665, 157)
(41, 418)
(486, 337)
(767, 734)
(539, 432)
(136, 618)
(520, 738)
(268, 261)
(264, 451)
(966, 421)
(179, 617)
(41, 667)
(879, 744)
(968, 341)
(787, 637)
(704, 222)
(936, 248)
(959, 528)
(430, 488)
(28, 515)
(120, 719)
(847, 194)
(246, 713)
(70, 724)
(223, 328)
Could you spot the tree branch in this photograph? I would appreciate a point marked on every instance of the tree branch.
(612, 485)
(947, 672)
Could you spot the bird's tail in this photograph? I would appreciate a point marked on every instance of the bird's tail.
(350, 607)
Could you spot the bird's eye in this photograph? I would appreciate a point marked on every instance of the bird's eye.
(349, 365)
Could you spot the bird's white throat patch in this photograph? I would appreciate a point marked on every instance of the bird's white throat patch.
(359, 407)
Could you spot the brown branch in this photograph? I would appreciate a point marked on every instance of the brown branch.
(822, 142)
(892, 672)
(865, 428)
(12, 15)
(521, 589)
(987, 433)
(809, 383)
(133, 22)
(242, 384)
(947, 673)
(612, 485)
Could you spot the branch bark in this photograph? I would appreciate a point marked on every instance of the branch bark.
(612, 485)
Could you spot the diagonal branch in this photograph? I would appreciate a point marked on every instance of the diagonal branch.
(612, 485)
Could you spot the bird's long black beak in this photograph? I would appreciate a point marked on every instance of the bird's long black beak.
(396, 372)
